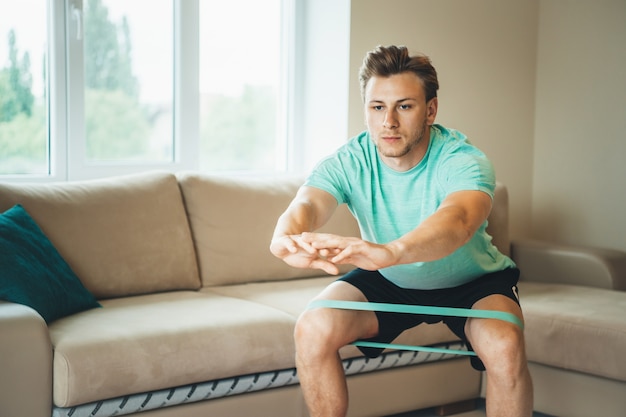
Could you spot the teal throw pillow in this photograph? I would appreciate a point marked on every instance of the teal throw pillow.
(33, 273)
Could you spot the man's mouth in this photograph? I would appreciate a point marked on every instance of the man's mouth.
(391, 139)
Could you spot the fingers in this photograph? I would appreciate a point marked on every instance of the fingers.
(327, 241)
(338, 249)
(328, 253)
(290, 244)
(303, 244)
(298, 252)
(326, 266)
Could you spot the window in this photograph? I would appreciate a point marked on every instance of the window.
(141, 84)
(93, 88)
(23, 88)
(240, 85)
(128, 81)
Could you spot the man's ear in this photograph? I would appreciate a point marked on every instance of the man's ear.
(431, 110)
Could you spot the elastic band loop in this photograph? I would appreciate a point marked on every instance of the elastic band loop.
(429, 349)
(416, 309)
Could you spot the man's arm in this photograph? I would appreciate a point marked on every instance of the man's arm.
(450, 227)
(309, 210)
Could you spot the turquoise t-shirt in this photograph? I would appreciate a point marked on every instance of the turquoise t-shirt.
(388, 204)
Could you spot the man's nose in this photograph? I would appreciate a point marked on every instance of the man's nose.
(391, 121)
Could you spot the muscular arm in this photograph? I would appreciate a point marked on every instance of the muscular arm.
(310, 209)
(450, 227)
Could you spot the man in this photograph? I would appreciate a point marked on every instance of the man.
(421, 194)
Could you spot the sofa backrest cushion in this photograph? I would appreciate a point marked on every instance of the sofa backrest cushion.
(33, 272)
(121, 236)
(232, 221)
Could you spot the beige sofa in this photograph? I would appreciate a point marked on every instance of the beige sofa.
(197, 316)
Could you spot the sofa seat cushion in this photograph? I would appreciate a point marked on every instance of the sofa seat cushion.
(576, 328)
(293, 296)
(157, 341)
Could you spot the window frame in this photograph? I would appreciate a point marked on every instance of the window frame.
(185, 129)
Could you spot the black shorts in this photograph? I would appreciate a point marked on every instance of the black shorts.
(378, 289)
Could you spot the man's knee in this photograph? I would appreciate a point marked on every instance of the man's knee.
(501, 348)
(314, 331)
(323, 330)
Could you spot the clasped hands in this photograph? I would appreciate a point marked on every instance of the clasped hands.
(326, 251)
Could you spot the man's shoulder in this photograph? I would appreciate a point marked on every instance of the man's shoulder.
(359, 142)
(452, 141)
(448, 135)
(357, 148)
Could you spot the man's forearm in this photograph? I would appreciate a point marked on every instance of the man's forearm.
(449, 228)
(298, 218)
(309, 210)
(432, 240)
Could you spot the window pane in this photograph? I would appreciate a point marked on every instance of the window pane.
(129, 80)
(239, 84)
(23, 88)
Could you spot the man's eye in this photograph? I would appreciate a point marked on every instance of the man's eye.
(377, 108)
(405, 106)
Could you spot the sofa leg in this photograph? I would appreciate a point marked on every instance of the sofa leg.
(455, 408)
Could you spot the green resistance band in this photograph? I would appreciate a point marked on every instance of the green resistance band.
(416, 309)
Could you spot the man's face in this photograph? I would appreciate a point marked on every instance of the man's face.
(399, 118)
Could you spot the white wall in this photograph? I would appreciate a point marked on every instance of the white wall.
(485, 54)
(539, 85)
(579, 187)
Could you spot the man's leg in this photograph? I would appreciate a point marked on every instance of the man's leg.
(319, 335)
(500, 345)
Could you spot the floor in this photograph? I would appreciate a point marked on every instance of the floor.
(479, 412)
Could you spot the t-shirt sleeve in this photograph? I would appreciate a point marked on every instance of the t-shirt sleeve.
(467, 170)
(327, 175)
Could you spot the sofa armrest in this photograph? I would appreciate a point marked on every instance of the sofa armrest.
(563, 264)
(25, 362)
